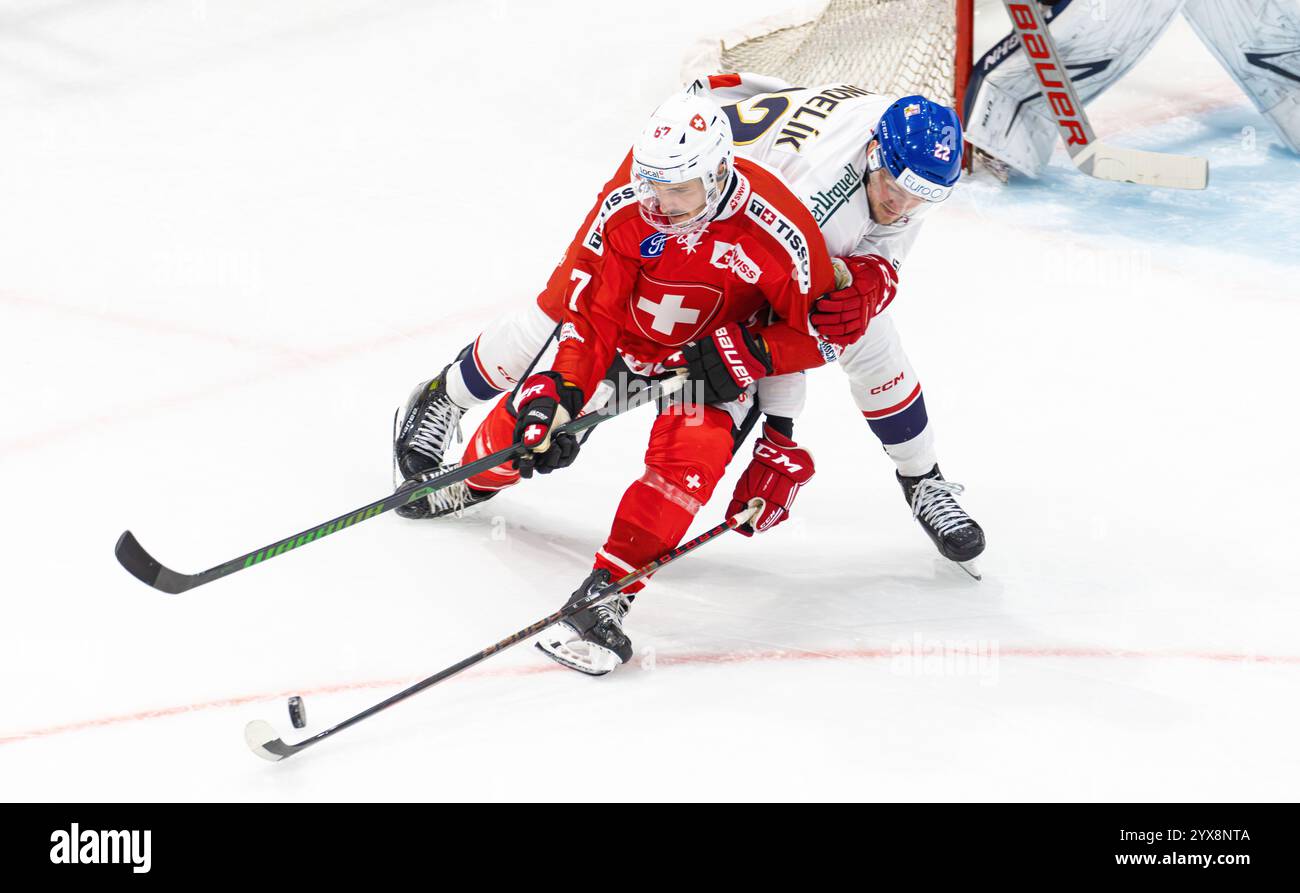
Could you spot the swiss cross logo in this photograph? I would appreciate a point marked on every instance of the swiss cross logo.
(697, 123)
(693, 482)
(672, 313)
(533, 433)
(667, 313)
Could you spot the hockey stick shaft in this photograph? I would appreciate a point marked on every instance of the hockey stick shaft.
(1090, 155)
(144, 567)
(265, 743)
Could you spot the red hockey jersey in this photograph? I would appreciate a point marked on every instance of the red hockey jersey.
(624, 286)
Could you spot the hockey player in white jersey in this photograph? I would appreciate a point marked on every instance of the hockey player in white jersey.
(869, 168)
(870, 199)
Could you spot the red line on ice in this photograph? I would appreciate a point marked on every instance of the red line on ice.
(702, 658)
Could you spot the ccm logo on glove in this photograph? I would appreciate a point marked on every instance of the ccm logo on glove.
(772, 480)
(777, 458)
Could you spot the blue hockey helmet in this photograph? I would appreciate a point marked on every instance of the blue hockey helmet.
(919, 142)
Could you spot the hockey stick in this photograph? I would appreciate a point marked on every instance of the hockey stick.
(1090, 155)
(263, 740)
(144, 567)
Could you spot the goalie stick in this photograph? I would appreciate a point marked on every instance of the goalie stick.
(144, 567)
(263, 740)
(1090, 155)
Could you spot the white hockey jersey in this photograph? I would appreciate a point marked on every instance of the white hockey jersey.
(816, 139)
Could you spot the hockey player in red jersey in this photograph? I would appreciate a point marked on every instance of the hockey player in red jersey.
(869, 173)
(689, 244)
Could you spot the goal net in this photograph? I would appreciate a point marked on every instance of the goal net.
(886, 46)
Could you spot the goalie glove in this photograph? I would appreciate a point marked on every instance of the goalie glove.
(546, 402)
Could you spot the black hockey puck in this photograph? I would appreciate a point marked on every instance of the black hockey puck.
(297, 713)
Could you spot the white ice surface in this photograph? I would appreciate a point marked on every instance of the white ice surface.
(232, 236)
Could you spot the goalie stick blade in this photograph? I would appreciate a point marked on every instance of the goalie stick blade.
(1157, 169)
(263, 741)
(145, 568)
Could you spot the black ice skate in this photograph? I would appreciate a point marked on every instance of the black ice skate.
(450, 500)
(933, 504)
(422, 430)
(591, 641)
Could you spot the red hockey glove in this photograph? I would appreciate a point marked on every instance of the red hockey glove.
(725, 363)
(866, 286)
(775, 474)
(546, 401)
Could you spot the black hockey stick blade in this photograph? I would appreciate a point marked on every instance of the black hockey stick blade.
(264, 742)
(145, 568)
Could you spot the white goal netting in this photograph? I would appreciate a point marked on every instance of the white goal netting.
(887, 46)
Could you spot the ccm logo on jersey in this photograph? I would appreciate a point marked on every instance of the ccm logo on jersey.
(880, 389)
(732, 357)
(595, 238)
(777, 456)
(727, 256)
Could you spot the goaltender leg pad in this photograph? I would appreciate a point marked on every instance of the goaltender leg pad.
(1255, 41)
(1005, 112)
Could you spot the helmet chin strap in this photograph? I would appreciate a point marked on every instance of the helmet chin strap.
(724, 195)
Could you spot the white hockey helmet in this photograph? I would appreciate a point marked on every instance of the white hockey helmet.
(682, 163)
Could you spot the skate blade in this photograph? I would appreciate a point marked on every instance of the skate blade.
(579, 655)
(970, 567)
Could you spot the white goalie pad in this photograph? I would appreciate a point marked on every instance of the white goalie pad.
(1258, 42)
(1007, 117)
